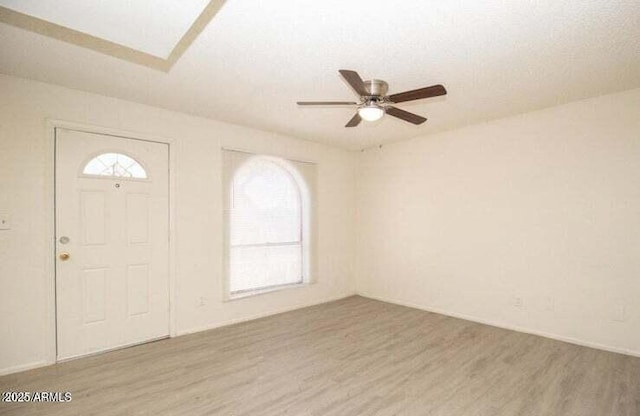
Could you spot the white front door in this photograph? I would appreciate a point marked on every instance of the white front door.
(112, 239)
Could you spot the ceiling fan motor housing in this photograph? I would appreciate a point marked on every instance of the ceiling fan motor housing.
(376, 87)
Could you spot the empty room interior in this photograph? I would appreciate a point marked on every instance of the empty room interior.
(320, 208)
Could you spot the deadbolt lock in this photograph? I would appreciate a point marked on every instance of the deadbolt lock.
(64, 256)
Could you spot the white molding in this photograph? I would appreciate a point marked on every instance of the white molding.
(49, 261)
(116, 348)
(516, 328)
(265, 314)
(108, 131)
(24, 367)
(173, 254)
(51, 125)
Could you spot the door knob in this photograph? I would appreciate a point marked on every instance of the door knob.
(64, 256)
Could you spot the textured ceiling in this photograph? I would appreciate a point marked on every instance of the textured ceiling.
(256, 58)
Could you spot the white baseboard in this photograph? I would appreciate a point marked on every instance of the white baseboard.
(43, 363)
(263, 314)
(556, 337)
(23, 367)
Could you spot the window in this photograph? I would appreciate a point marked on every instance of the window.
(116, 165)
(267, 224)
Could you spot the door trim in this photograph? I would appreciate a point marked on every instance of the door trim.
(51, 352)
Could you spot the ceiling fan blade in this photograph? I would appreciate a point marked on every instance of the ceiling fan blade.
(355, 81)
(405, 115)
(327, 103)
(432, 91)
(354, 121)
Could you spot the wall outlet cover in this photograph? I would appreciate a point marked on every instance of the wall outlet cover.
(620, 313)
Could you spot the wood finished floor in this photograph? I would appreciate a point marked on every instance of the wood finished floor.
(355, 356)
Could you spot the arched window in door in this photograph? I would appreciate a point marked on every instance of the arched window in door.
(116, 165)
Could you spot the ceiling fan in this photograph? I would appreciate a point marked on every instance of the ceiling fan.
(374, 102)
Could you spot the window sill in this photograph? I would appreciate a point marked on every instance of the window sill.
(251, 293)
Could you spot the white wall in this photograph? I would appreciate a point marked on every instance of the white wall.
(25, 322)
(544, 206)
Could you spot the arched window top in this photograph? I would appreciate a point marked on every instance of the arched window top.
(266, 181)
(115, 165)
(268, 200)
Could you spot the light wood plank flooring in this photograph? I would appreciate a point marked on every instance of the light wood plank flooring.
(355, 356)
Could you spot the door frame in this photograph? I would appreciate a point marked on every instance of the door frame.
(51, 353)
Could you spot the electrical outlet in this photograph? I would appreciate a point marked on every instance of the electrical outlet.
(549, 304)
(518, 302)
(620, 313)
(202, 301)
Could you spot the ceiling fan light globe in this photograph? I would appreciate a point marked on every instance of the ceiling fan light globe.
(371, 112)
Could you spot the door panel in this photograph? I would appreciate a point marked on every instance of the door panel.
(113, 290)
(93, 294)
(137, 289)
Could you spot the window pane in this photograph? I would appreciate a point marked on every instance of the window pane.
(116, 165)
(259, 267)
(265, 205)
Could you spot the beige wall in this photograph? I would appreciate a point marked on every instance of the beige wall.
(25, 177)
(544, 207)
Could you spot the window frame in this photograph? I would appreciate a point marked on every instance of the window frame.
(94, 155)
(304, 184)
